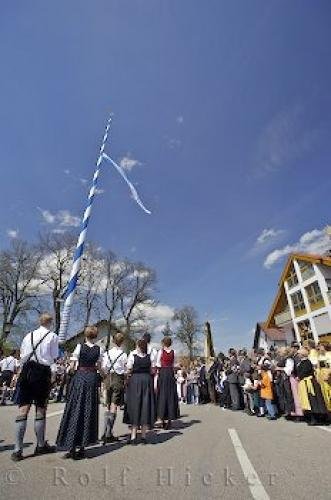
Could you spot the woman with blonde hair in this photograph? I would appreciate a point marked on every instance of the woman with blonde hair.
(80, 420)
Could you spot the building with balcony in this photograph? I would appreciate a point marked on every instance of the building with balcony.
(303, 301)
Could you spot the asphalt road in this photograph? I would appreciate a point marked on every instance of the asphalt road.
(209, 454)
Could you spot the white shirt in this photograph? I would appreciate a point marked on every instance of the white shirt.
(159, 354)
(289, 366)
(10, 363)
(76, 353)
(46, 352)
(152, 354)
(120, 364)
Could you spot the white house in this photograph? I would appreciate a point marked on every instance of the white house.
(270, 337)
(303, 301)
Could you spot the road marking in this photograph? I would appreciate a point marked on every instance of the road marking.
(327, 429)
(257, 490)
(54, 414)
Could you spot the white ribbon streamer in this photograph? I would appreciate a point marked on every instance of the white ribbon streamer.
(133, 190)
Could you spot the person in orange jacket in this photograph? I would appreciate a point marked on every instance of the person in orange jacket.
(266, 390)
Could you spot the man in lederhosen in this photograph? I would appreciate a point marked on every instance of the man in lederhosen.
(8, 367)
(114, 365)
(39, 349)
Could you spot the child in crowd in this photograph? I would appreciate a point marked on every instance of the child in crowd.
(266, 391)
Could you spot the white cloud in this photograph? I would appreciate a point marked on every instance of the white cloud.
(99, 191)
(83, 181)
(157, 316)
(12, 233)
(285, 139)
(66, 171)
(174, 143)
(47, 216)
(316, 241)
(268, 235)
(180, 119)
(128, 163)
(63, 218)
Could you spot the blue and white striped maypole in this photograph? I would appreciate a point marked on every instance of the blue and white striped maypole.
(72, 284)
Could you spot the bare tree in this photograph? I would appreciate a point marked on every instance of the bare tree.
(167, 331)
(19, 283)
(115, 273)
(91, 281)
(188, 330)
(55, 268)
(136, 291)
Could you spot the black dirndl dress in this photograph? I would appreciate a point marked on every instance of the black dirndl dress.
(80, 421)
(140, 407)
(167, 397)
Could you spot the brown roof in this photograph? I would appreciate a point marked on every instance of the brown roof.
(313, 258)
(273, 333)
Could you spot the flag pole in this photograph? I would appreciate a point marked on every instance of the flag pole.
(72, 284)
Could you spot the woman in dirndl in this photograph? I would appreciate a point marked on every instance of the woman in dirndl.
(80, 420)
(140, 408)
(167, 398)
(309, 390)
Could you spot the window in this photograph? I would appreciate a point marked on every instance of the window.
(305, 331)
(298, 304)
(292, 279)
(328, 284)
(306, 269)
(315, 296)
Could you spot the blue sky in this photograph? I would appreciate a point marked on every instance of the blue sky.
(226, 108)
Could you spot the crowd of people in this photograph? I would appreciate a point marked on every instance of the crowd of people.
(149, 384)
(291, 382)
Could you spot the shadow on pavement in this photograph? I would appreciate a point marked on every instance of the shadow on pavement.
(8, 447)
(178, 424)
(162, 438)
(103, 450)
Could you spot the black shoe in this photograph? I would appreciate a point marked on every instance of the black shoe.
(79, 455)
(17, 456)
(143, 441)
(44, 450)
(109, 439)
(168, 425)
(133, 442)
(69, 454)
(272, 418)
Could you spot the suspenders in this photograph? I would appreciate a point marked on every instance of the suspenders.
(35, 347)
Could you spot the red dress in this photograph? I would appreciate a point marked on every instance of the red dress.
(167, 359)
(167, 399)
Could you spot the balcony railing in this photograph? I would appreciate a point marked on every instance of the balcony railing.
(317, 304)
(283, 317)
(300, 312)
